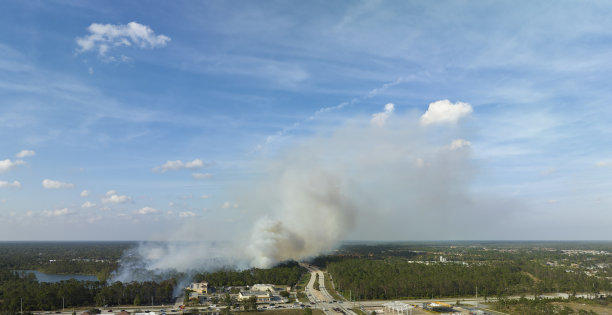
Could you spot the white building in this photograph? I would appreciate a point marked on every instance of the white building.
(200, 288)
(262, 287)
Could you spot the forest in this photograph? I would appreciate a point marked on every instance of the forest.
(287, 273)
(413, 270)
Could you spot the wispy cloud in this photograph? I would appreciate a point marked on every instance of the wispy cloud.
(148, 211)
(186, 214)
(105, 37)
(25, 153)
(180, 165)
(112, 196)
(6, 165)
(88, 204)
(14, 184)
(56, 213)
(201, 175)
(54, 184)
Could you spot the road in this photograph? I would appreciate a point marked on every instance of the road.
(322, 299)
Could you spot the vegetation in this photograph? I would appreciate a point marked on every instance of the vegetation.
(48, 296)
(404, 269)
(549, 306)
(287, 273)
(331, 288)
(88, 258)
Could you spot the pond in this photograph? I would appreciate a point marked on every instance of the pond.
(43, 277)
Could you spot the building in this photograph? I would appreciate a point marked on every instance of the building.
(199, 288)
(262, 296)
(262, 287)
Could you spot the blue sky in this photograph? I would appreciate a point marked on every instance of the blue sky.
(226, 88)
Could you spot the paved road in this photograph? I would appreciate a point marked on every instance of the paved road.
(322, 299)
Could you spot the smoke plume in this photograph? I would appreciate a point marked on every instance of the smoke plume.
(361, 179)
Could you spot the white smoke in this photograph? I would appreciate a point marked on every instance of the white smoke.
(313, 195)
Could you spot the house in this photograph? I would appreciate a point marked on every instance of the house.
(200, 288)
(263, 287)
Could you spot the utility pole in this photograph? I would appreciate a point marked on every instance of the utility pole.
(476, 296)
(21, 305)
(62, 304)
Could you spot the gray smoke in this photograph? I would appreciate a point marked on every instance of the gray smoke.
(358, 179)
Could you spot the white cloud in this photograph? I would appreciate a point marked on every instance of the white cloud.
(458, 144)
(187, 214)
(201, 175)
(227, 205)
(56, 213)
(7, 164)
(14, 184)
(147, 211)
(204, 197)
(603, 163)
(88, 204)
(445, 112)
(25, 153)
(54, 184)
(179, 165)
(379, 119)
(113, 197)
(84, 193)
(104, 37)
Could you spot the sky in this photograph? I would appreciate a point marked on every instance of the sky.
(139, 120)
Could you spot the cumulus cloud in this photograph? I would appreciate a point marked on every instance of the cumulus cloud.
(14, 184)
(204, 197)
(25, 153)
(458, 144)
(201, 175)
(88, 204)
(603, 163)
(227, 205)
(105, 37)
(56, 213)
(6, 165)
(179, 165)
(54, 184)
(380, 119)
(84, 193)
(148, 210)
(186, 214)
(112, 196)
(445, 111)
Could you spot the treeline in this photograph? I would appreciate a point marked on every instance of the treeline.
(397, 278)
(48, 296)
(287, 273)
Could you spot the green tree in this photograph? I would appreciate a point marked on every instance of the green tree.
(137, 301)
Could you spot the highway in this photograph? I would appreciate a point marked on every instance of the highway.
(321, 298)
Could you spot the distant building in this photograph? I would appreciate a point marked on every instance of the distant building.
(442, 259)
(200, 288)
